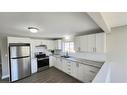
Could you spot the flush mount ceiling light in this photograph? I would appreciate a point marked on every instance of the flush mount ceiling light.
(33, 29)
(67, 37)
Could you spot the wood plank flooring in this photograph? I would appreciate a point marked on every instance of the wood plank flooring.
(51, 75)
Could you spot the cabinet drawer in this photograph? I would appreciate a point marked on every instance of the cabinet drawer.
(93, 70)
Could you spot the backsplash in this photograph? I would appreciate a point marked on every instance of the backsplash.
(89, 56)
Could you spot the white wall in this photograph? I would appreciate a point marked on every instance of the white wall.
(117, 53)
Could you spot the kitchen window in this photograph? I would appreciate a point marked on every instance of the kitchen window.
(68, 47)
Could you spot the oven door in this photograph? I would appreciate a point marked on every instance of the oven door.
(42, 63)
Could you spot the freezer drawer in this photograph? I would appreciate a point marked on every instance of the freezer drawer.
(20, 68)
(19, 51)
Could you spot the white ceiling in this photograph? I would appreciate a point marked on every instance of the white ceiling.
(115, 19)
(51, 25)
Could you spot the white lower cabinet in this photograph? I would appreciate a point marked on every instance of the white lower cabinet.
(58, 63)
(60, 66)
(82, 72)
(74, 70)
(33, 65)
(68, 67)
(64, 66)
(86, 73)
(52, 61)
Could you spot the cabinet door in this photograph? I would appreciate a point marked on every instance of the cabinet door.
(58, 63)
(86, 73)
(83, 43)
(82, 73)
(74, 69)
(100, 42)
(50, 44)
(33, 65)
(77, 43)
(91, 43)
(52, 61)
(58, 44)
(65, 66)
(55, 63)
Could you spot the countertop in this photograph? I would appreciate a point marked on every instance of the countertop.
(84, 61)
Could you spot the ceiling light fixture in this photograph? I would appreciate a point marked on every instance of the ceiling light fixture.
(67, 37)
(33, 29)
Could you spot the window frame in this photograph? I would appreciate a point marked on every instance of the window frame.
(69, 51)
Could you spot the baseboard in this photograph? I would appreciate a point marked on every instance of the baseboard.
(6, 76)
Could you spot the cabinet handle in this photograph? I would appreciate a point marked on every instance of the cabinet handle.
(69, 72)
(92, 71)
(69, 65)
(77, 65)
(78, 48)
(93, 49)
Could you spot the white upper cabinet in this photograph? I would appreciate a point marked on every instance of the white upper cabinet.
(50, 44)
(84, 43)
(91, 43)
(77, 43)
(18, 40)
(58, 44)
(101, 42)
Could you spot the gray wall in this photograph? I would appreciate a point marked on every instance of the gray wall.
(0, 49)
(117, 53)
(4, 57)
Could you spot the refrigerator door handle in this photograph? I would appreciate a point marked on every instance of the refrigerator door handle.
(20, 57)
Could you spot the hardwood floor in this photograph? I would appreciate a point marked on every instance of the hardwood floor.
(51, 75)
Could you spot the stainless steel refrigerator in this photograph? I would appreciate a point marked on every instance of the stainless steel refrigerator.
(20, 64)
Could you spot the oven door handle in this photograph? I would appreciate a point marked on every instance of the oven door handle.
(42, 58)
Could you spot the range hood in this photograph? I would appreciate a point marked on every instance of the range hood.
(45, 46)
